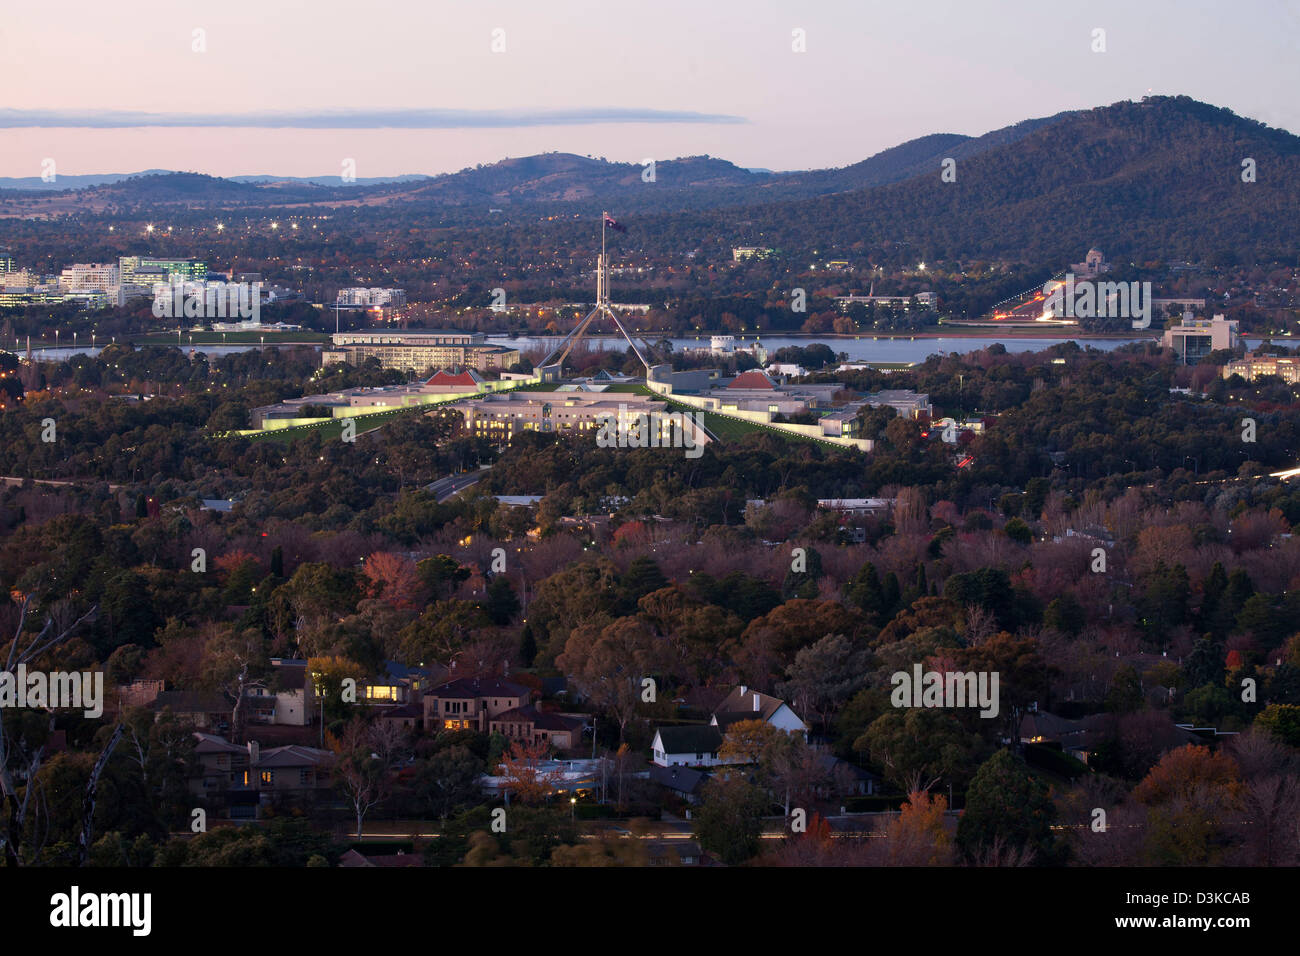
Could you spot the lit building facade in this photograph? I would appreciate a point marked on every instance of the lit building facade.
(1285, 367)
(1194, 339)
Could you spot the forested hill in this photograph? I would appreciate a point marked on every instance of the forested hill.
(1162, 178)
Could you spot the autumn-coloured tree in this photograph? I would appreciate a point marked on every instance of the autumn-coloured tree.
(746, 740)
(918, 836)
(1190, 795)
(632, 534)
(1180, 772)
(525, 779)
(393, 578)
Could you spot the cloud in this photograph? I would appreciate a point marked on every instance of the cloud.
(355, 119)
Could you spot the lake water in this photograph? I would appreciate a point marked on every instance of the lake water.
(864, 349)
(67, 351)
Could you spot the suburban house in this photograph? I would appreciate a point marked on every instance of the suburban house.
(694, 745)
(1080, 738)
(223, 765)
(686, 783)
(288, 698)
(244, 777)
(697, 746)
(471, 703)
(397, 686)
(292, 769)
(529, 725)
(744, 703)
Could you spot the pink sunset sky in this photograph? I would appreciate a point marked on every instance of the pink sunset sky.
(688, 77)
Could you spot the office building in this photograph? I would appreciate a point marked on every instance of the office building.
(90, 277)
(1194, 339)
(418, 351)
(371, 298)
(1285, 367)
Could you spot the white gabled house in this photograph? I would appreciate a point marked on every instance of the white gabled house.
(697, 745)
(744, 703)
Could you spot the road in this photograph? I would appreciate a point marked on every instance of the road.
(773, 828)
(452, 485)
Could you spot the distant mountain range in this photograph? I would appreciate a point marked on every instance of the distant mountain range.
(62, 182)
(1166, 176)
(559, 177)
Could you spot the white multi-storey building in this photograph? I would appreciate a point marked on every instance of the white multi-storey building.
(90, 277)
(391, 298)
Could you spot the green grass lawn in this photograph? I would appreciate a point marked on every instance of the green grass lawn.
(630, 388)
(334, 427)
(725, 427)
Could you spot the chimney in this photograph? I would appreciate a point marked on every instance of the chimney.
(254, 752)
(757, 706)
(743, 688)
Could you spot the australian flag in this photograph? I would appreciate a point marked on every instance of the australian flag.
(614, 223)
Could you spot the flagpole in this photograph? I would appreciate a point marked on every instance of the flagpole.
(600, 283)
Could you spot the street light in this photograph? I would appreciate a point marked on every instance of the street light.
(573, 808)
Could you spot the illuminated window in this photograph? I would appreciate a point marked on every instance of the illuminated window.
(268, 776)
